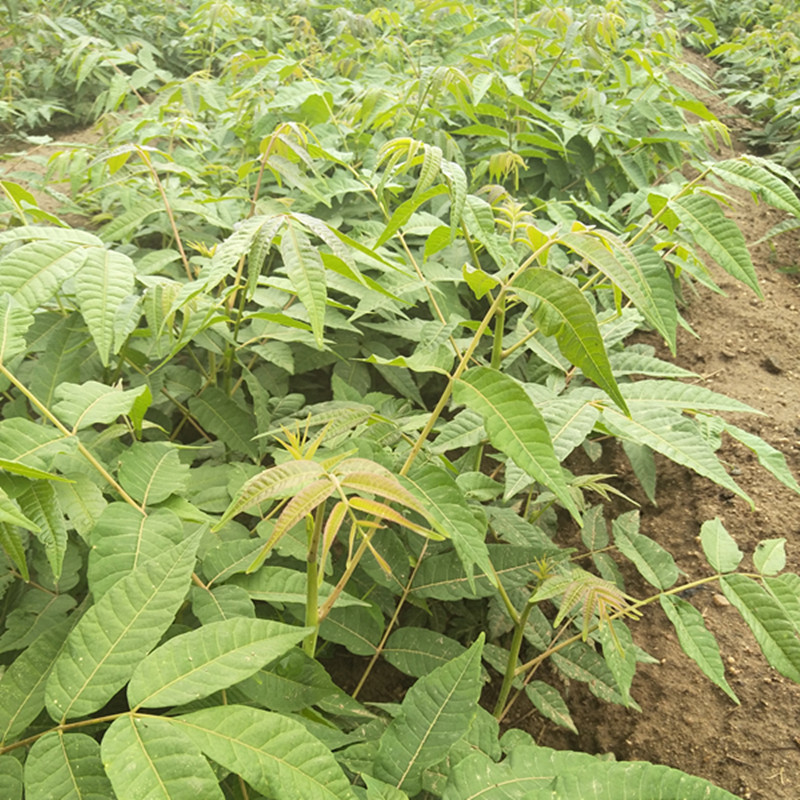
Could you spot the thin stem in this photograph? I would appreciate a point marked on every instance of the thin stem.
(64, 726)
(465, 359)
(149, 164)
(499, 330)
(312, 579)
(70, 434)
(428, 290)
(339, 588)
(392, 622)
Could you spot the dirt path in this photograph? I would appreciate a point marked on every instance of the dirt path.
(748, 349)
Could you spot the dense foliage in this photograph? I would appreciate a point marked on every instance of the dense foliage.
(357, 285)
(758, 47)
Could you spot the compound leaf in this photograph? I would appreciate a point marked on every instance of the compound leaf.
(719, 236)
(675, 437)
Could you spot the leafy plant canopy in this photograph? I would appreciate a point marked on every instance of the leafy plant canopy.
(357, 283)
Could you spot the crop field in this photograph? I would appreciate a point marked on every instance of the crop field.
(399, 401)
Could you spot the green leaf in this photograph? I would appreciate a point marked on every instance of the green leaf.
(550, 704)
(102, 284)
(25, 443)
(697, 641)
(154, 759)
(654, 563)
(200, 662)
(477, 777)
(785, 589)
(151, 471)
(418, 651)
(22, 689)
(619, 653)
(748, 173)
(649, 290)
(66, 766)
(442, 576)
(40, 504)
(84, 405)
(129, 222)
(124, 539)
(34, 613)
(378, 790)
(292, 683)
(403, 213)
(14, 548)
(273, 753)
(643, 462)
(285, 585)
(282, 480)
(675, 437)
(633, 781)
(446, 505)
(230, 423)
(14, 323)
(683, 396)
(220, 603)
(766, 617)
(515, 427)
(769, 557)
(307, 273)
(578, 661)
(34, 272)
(105, 647)
(358, 628)
(436, 712)
(11, 783)
(561, 310)
(82, 501)
(539, 773)
(721, 550)
(771, 459)
(719, 236)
